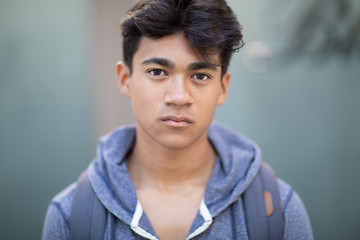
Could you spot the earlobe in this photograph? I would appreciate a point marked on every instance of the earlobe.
(123, 78)
(224, 88)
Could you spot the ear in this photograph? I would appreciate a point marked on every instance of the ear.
(123, 78)
(224, 88)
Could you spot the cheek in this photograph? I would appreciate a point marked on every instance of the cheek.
(145, 101)
(207, 104)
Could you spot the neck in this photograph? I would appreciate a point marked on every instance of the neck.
(156, 166)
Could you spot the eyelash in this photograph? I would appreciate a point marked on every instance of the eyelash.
(205, 75)
(163, 73)
(151, 72)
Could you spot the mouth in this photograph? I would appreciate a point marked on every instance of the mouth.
(176, 121)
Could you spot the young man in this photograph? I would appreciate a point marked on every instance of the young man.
(176, 175)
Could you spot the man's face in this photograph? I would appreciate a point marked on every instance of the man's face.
(174, 92)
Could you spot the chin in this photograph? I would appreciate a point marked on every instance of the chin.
(177, 143)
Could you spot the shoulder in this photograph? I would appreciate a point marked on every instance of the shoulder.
(64, 198)
(297, 223)
(57, 225)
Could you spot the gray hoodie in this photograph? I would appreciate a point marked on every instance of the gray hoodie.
(221, 213)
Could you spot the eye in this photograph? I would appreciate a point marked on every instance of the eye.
(156, 72)
(201, 76)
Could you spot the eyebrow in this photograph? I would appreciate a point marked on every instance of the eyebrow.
(160, 61)
(170, 64)
(201, 65)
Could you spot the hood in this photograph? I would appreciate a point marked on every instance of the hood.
(236, 166)
(238, 162)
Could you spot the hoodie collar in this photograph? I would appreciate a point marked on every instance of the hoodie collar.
(236, 166)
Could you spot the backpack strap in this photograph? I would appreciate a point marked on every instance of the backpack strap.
(88, 215)
(263, 212)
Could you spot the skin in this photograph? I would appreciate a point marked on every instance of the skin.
(174, 95)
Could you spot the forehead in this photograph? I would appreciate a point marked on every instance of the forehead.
(173, 47)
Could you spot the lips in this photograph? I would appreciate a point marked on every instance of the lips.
(176, 121)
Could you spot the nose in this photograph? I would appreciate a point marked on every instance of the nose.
(178, 92)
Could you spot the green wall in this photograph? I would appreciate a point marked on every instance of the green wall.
(45, 117)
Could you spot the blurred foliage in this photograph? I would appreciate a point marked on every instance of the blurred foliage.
(327, 28)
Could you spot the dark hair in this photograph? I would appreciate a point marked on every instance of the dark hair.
(209, 25)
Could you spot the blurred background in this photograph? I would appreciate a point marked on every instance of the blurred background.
(295, 90)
